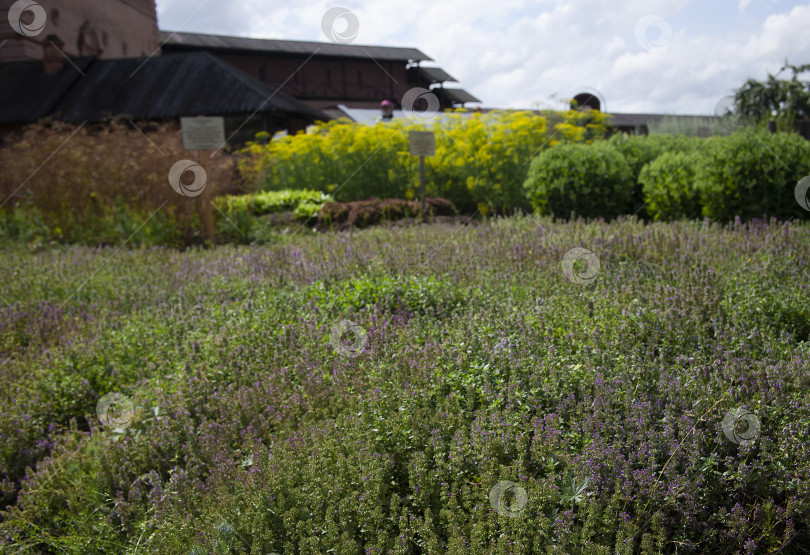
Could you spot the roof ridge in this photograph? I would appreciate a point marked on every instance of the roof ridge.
(172, 40)
(288, 40)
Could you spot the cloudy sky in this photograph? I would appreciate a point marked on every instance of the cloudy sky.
(661, 56)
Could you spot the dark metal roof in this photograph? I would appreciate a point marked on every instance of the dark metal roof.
(190, 84)
(456, 95)
(27, 94)
(435, 74)
(173, 41)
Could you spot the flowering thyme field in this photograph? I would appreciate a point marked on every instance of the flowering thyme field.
(485, 397)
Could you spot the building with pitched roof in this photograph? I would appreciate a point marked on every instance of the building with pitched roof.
(162, 88)
(82, 60)
(324, 75)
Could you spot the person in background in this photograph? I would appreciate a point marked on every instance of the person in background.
(387, 109)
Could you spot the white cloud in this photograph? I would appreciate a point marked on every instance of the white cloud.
(515, 53)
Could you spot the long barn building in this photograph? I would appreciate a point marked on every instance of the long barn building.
(324, 75)
(83, 60)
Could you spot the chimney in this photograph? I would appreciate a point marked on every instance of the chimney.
(53, 59)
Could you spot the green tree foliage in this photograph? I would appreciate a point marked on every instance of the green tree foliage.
(781, 100)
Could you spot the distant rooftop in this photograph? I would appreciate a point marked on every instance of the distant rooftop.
(369, 115)
(456, 96)
(176, 40)
(639, 119)
(435, 74)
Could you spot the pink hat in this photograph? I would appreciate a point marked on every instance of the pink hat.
(386, 103)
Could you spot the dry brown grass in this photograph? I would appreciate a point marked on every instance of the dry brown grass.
(77, 175)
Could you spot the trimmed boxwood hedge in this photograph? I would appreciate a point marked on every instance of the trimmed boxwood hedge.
(580, 180)
(669, 187)
(752, 174)
(640, 150)
(748, 175)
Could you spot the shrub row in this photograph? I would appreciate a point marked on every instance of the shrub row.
(107, 184)
(748, 175)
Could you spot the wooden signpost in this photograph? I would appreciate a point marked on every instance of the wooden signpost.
(204, 133)
(422, 143)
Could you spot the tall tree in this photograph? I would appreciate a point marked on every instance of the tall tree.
(781, 100)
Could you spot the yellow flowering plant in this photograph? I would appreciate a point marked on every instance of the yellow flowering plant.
(480, 164)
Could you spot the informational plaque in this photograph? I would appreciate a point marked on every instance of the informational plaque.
(203, 133)
(422, 143)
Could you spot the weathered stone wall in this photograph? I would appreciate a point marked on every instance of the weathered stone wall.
(107, 29)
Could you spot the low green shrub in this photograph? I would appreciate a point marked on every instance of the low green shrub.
(751, 174)
(270, 202)
(586, 180)
(237, 218)
(307, 210)
(639, 150)
(669, 186)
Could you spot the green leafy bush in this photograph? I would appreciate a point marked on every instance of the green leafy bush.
(270, 202)
(307, 210)
(669, 186)
(639, 150)
(750, 174)
(586, 180)
(237, 217)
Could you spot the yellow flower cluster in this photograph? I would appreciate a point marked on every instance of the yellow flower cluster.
(481, 160)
